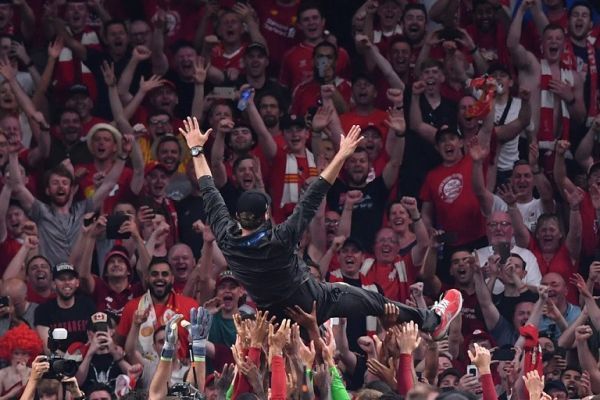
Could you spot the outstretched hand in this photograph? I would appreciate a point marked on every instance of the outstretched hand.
(192, 133)
(349, 142)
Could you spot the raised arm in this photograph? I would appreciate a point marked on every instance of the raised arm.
(573, 240)
(519, 55)
(443, 11)
(201, 68)
(83, 257)
(21, 192)
(140, 53)
(250, 18)
(373, 54)
(217, 153)
(39, 97)
(4, 203)
(541, 182)
(109, 182)
(491, 315)
(583, 155)
(395, 142)
(162, 377)
(486, 198)
(16, 266)
(522, 234)
(425, 130)
(429, 267)
(586, 358)
(160, 63)
(265, 140)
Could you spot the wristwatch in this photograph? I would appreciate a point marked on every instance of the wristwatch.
(197, 150)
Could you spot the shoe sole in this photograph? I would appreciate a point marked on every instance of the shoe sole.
(451, 319)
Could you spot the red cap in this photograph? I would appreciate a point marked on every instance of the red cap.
(152, 165)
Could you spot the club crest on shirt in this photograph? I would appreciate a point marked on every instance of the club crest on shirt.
(451, 187)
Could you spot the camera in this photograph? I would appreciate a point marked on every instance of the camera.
(60, 367)
(184, 391)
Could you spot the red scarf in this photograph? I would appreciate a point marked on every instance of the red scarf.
(533, 352)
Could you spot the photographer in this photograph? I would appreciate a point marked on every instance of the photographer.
(104, 360)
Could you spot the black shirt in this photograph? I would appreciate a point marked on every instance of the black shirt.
(190, 210)
(367, 215)
(78, 153)
(420, 156)
(264, 262)
(74, 319)
(506, 305)
(231, 193)
(103, 369)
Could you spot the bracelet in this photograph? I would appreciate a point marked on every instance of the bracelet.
(415, 219)
(474, 50)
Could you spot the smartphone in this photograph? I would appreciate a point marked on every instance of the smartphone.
(113, 224)
(4, 301)
(92, 219)
(503, 250)
(244, 98)
(472, 370)
(559, 351)
(446, 238)
(224, 92)
(449, 34)
(503, 354)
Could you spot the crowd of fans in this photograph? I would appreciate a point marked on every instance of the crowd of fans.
(479, 170)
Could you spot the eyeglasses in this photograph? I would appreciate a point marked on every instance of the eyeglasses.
(503, 224)
(156, 274)
(332, 222)
(160, 122)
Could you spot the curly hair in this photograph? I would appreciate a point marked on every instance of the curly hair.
(23, 338)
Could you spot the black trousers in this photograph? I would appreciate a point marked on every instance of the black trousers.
(343, 300)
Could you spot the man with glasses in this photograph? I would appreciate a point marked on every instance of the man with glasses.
(499, 231)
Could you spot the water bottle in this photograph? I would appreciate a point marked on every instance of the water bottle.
(244, 97)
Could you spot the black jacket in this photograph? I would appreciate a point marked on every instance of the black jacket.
(264, 262)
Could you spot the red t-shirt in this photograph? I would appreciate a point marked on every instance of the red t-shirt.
(561, 264)
(308, 93)
(222, 61)
(107, 299)
(176, 304)
(8, 249)
(297, 65)
(278, 26)
(120, 192)
(455, 206)
(34, 297)
(394, 279)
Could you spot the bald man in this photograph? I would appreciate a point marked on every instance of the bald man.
(553, 325)
(16, 290)
(182, 260)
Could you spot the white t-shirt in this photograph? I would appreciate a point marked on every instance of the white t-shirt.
(508, 152)
(529, 211)
(533, 276)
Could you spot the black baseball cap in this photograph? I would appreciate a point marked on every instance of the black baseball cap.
(64, 268)
(290, 120)
(446, 131)
(257, 46)
(78, 89)
(352, 241)
(497, 67)
(555, 385)
(254, 202)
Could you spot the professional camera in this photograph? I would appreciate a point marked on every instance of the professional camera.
(184, 391)
(60, 367)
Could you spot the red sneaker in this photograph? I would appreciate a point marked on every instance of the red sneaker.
(448, 308)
